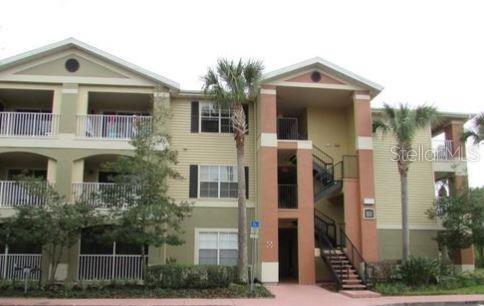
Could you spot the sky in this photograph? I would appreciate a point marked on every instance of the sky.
(422, 52)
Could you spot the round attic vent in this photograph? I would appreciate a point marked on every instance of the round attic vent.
(72, 65)
(316, 76)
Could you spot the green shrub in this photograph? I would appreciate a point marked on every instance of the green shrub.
(174, 276)
(420, 271)
(383, 271)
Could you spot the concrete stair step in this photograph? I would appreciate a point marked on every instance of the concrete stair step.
(352, 281)
(360, 293)
(353, 286)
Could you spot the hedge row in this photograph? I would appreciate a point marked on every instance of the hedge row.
(174, 276)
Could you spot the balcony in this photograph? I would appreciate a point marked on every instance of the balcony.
(111, 127)
(288, 129)
(103, 195)
(443, 150)
(27, 113)
(19, 194)
(287, 179)
(287, 195)
(28, 124)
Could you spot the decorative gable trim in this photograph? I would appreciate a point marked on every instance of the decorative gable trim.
(347, 77)
(70, 44)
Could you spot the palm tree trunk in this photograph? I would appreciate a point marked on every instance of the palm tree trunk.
(405, 230)
(242, 264)
(242, 259)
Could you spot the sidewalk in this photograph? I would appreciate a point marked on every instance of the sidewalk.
(286, 295)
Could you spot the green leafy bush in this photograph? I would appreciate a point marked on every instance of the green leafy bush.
(383, 271)
(174, 276)
(420, 271)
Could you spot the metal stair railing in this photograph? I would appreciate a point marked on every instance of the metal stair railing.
(343, 244)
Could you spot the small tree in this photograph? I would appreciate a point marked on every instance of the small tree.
(462, 217)
(143, 213)
(55, 224)
(403, 123)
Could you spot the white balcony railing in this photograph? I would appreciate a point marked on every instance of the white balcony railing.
(12, 265)
(28, 124)
(110, 126)
(443, 149)
(18, 193)
(107, 267)
(97, 194)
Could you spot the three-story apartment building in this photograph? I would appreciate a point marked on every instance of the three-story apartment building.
(323, 186)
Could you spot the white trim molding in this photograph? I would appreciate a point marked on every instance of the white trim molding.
(199, 230)
(459, 167)
(268, 140)
(72, 43)
(304, 145)
(270, 272)
(361, 97)
(364, 143)
(466, 267)
(413, 227)
(70, 90)
(368, 201)
(330, 68)
(268, 91)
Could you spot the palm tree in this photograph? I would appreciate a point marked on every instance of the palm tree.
(232, 84)
(403, 123)
(477, 133)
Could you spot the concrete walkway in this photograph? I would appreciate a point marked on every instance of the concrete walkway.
(286, 295)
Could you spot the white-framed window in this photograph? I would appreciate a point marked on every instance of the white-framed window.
(214, 119)
(218, 181)
(216, 247)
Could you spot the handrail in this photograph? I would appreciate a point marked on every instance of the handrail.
(359, 260)
(333, 251)
(323, 156)
(344, 244)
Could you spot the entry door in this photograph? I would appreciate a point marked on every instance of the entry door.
(288, 259)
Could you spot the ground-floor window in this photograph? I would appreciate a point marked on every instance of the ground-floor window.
(216, 247)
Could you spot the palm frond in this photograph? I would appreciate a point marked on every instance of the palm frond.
(379, 125)
(470, 134)
(479, 120)
(232, 82)
(424, 115)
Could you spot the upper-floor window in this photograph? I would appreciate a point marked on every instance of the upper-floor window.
(214, 119)
(218, 182)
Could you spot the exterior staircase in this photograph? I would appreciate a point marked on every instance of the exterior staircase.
(341, 265)
(325, 174)
(347, 266)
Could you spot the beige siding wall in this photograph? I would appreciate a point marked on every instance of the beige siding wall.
(206, 148)
(422, 243)
(332, 130)
(387, 184)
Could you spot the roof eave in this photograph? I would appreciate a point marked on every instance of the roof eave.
(318, 62)
(74, 43)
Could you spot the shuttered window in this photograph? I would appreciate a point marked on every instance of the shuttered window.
(207, 181)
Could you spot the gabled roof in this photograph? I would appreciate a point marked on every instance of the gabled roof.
(324, 65)
(74, 43)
